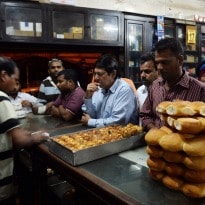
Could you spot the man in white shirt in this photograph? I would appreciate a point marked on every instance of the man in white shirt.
(149, 73)
(22, 102)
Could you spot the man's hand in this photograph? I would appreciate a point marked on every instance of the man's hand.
(91, 88)
(85, 119)
(26, 103)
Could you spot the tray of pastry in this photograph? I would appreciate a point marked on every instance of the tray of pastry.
(85, 146)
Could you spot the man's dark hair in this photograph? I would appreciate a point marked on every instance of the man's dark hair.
(108, 63)
(148, 57)
(170, 43)
(69, 74)
(8, 65)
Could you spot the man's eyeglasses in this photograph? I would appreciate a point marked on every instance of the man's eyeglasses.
(100, 74)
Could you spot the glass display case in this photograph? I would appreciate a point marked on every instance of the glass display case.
(104, 27)
(21, 21)
(202, 43)
(60, 24)
(169, 28)
(139, 40)
(67, 25)
(186, 32)
(85, 26)
(134, 45)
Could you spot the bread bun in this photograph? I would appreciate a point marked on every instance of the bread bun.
(195, 163)
(153, 135)
(194, 176)
(195, 146)
(188, 125)
(173, 169)
(154, 151)
(202, 110)
(172, 142)
(170, 121)
(163, 117)
(187, 136)
(194, 190)
(192, 108)
(161, 107)
(156, 175)
(168, 130)
(156, 164)
(176, 108)
(202, 120)
(172, 182)
(176, 157)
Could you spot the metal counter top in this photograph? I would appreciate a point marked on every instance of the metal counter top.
(52, 125)
(125, 172)
(133, 179)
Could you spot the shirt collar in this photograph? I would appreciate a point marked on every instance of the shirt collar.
(113, 87)
(51, 81)
(184, 81)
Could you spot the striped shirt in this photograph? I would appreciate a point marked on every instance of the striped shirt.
(48, 90)
(187, 88)
(8, 121)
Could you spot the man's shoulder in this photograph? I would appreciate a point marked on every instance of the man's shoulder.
(196, 82)
(122, 83)
(47, 82)
(142, 87)
(78, 92)
(3, 96)
(46, 79)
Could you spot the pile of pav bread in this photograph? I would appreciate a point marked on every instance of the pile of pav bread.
(177, 151)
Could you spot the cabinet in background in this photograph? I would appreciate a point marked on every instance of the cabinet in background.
(169, 28)
(201, 30)
(23, 22)
(139, 32)
(186, 32)
(34, 22)
(83, 26)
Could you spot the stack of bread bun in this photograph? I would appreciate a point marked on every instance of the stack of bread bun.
(177, 151)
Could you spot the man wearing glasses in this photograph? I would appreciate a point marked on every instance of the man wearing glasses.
(109, 99)
(48, 90)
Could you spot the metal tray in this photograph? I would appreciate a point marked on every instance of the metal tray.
(96, 152)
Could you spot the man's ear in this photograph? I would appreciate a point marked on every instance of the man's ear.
(114, 73)
(3, 74)
(181, 59)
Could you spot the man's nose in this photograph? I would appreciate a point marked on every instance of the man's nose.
(143, 74)
(159, 66)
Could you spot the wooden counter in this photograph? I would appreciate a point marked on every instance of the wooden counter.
(113, 180)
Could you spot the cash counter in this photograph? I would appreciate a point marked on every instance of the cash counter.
(118, 179)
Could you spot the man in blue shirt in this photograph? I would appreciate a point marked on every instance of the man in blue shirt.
(108, 100)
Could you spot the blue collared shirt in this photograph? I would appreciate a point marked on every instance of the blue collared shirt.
(116, 106)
